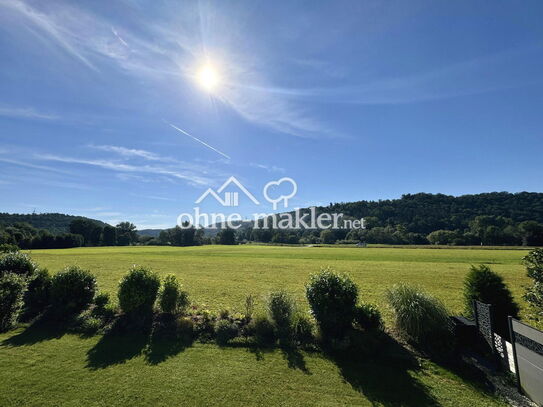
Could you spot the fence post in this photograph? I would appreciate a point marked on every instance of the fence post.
(512, 335)
(475, 316)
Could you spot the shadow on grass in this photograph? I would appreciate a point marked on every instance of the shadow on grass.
(39, 331)
(118, 345)
(384, 375)
(295, 358)
(161, 349)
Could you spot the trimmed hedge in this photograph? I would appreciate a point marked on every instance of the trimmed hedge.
(138, 291)
(17, 263)
(12, 289)
(72, 290)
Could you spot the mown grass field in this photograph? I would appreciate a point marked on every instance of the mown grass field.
(43, 368)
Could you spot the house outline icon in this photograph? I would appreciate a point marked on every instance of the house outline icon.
(230, 198)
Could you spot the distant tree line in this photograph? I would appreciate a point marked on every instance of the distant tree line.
(497, 218)
(82, 232)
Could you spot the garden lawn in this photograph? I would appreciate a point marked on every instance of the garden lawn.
(222, 276)
(39, 367)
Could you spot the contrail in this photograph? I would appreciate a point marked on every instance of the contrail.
(199, 141)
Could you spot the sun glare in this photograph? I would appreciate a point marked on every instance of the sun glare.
(208, 78)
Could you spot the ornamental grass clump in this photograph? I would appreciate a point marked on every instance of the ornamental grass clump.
(419, 317)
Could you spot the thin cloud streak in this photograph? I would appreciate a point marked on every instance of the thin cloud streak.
(199, 141)
(131, 152)
(122, 167)
(25, 113)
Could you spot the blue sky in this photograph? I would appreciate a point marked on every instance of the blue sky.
(352, 99)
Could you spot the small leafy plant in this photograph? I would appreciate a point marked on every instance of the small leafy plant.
(332, 298)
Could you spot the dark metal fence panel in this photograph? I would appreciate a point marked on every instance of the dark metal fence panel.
(485, 322)
(528, 348)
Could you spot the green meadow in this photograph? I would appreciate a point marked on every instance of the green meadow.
(53, 368)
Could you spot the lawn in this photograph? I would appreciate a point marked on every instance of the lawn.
(39, 367)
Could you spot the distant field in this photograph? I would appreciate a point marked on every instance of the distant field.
(57, 369)
(221, 276)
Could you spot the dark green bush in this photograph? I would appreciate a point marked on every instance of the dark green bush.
(281, 311)
(419, 317)
(172, 298)
(169, 294)
(332, 298)
(12, 290)
(303, 330)
(367, 316)
(101, 300)
(87, 323)
(138, 290)
(185, 329)
(17, 263)
(8, 248)
(534, 293)
(263, 330)
(225, 331)
(103, 308)
(38, 295)
(72, 290)
(484, 285)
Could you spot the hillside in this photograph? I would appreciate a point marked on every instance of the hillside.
(53, 222)
(424, 213)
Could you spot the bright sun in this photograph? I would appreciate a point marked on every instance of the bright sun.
(208, 78)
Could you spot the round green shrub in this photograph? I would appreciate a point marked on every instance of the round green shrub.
(169, 295)
(17, 263)
(304, 330)
(138, 290)
(185, 329)
(101, 300)
(263, 330)
(367, 316)
(225, 331)
(12, 289)
(484, 285)
(419, 317)
(332, 298)
(38, 295)
(72, 290)
(281, 310)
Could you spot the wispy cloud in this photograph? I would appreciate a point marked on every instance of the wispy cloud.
(154, 197)
(26, 164)
(26, 113)
(132, 153)
(177, 173)
(269, 168)
(48, 25)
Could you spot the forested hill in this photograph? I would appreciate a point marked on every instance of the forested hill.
(53, 222)
(424, 213)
